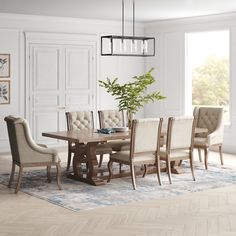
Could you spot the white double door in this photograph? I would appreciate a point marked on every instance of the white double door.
(60, 78)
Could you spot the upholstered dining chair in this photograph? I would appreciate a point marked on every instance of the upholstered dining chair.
(26, 153)
(82, 120)
(179, 143)
(111, 119)
(210, 118)
(143, 151)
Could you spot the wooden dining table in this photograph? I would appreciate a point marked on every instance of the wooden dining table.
(92, 138)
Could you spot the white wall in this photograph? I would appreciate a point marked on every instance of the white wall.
(12, 28)
(169, 64)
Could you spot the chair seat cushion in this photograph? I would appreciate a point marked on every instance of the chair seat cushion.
(200, 141)
(174, 154)
(119, 145)
(103, 148)
(141, 158)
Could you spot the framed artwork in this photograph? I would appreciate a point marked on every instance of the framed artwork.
(5, 66)
(4, 92)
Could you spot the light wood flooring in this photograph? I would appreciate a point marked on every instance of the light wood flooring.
(211, 212)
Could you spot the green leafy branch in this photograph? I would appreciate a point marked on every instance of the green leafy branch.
(132, 96)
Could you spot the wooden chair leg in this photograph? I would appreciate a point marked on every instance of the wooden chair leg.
(145, 171)
(133, 175)
(49, 174)
(168, 168)
(120, 169)
(180, 162)
(158, 170)
(191, 166)
(109, 166)
(68, 160)
(206, 153)
(59, 176)
(12, 174)
(100, 160)
(19, 179)
(199, 154)
(221, 155)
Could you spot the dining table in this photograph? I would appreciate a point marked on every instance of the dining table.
(91, 138)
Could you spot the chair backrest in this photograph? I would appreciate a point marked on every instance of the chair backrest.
(145, 135)
(79, 120)
(180, 133)
(209, 117)
(111, 118)
(19, 138)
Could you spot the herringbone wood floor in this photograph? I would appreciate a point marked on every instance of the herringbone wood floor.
(211, 212)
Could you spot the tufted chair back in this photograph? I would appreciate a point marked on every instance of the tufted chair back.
(209, 117)
(79, 120)
(111, 118)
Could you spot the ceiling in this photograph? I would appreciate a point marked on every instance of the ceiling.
(146, 10)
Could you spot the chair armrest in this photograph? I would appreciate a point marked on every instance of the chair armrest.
(42, 145)
(215, 137)
(42, 148)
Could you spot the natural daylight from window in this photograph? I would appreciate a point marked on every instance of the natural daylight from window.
(207, 70)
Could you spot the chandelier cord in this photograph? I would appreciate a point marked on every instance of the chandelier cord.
(133, 19)
(123, 18)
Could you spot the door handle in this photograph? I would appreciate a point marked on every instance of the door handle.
(61, 108)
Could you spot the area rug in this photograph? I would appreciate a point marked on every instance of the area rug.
(78, 196)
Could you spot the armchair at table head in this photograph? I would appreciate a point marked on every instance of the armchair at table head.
(26, 153)
(210, 118)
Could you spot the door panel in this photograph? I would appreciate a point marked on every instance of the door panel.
(60, 78)
(78, 68)
(79, 76)
(46, 64)
(45, 121)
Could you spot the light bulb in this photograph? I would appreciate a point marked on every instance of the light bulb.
(145, 46)
(124, 45)
(133, 46)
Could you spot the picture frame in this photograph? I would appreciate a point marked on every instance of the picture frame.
(4, 92)
(5, 65)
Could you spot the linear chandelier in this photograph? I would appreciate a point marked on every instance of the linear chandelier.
(121, 45)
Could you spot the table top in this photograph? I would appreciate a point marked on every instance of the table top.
(86, 136)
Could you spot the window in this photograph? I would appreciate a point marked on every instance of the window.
(207, 70)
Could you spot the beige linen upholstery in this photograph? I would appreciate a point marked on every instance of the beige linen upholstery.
(26, 153)
(144, 146)
(111, 119)
(210, 118)
(179, 144)
(82, 120)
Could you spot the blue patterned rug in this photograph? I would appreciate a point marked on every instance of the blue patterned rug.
(79, 196)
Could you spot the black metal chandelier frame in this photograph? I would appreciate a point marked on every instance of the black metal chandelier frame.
(122, 38)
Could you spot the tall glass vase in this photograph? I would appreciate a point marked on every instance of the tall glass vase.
(130, 117)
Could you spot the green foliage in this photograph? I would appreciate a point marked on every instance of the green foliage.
(211, 83)
(132, 96)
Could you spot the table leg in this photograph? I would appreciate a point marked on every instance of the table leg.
(93, 165)
(89, 157)
(176, 167)
(78, 159)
